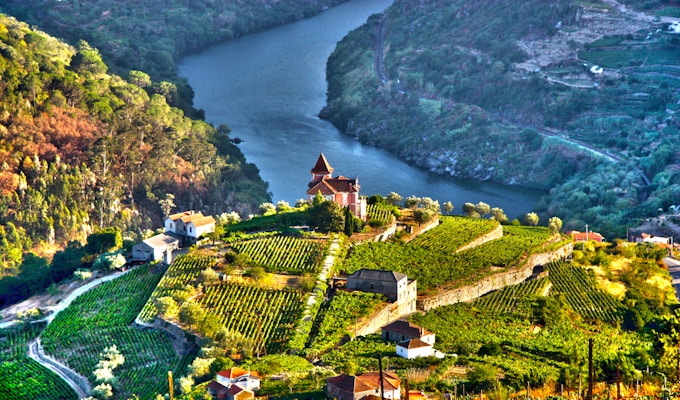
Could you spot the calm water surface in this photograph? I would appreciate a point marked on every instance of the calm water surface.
(268, 87)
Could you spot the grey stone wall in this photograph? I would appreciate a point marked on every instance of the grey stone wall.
(493, 282)
(494, 234)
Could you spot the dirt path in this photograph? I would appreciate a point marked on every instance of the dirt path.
(78, 383)
(54, 310)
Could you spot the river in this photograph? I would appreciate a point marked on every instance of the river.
(268, 87)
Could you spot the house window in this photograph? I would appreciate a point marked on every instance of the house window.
(344, 198)
(190, 230)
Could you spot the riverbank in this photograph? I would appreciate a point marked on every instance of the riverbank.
(270, 97)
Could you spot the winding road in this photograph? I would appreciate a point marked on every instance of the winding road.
(77, 382)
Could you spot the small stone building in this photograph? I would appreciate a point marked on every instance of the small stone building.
(155, 247)
(392, 284)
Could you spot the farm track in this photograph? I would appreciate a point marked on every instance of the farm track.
(77, 382)
(35, 351)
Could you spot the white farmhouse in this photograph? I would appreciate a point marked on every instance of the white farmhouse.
(199, 226)
(414, 348)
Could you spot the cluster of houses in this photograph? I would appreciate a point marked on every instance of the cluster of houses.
(181, 229)
(234, 384)
(412, 341)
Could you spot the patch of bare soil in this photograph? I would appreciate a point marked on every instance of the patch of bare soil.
(44, 302)
(592, 23)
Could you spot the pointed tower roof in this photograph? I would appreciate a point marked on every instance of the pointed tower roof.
(322, 167)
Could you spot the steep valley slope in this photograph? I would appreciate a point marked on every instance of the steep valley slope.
(575, 97)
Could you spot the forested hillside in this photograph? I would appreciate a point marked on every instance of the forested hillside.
(150, 35)
(81, 149)
(493, 90)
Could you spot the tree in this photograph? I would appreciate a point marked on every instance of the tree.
(216, 233)
(191, 314)
(499, 215)
(326, 217)
(66, 261)
(482, 209)
(318, 199)
(210, 324)
(167, 204)
(104, 240)
(349, 222)
(448, 207)
(220, 364)
(228, 218)
(555, 224)
(531, 219)
(375, 199)
(167, 307)
(470, 210)
(267, 209)
(393, 198)
(208, 275)
(411, 202)
(482, 377)
(257, 273)
(110, 261)
(282, 206)
(422, 215)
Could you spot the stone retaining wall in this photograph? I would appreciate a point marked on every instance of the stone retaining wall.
(493, 282)
(494, 234)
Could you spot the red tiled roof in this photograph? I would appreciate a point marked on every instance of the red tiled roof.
(236, 372)
(217, 387)
(177, 216)
(582, 236)
(349, 383)
(328, 185)
(191, 217)
(203, 221)
(322, 166)
(414, 343)
(406, 328)
(390, 380)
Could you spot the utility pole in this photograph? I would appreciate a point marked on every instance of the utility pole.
(382, 383)
(590, 368)
(171, 386)
(587, 233)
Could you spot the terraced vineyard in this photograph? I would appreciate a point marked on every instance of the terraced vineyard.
(336, 318)
(101, 318)
(507, 300)
(23, 378)
(267, 316)
(378, 213)
(183, 270)
(287, 254)
(454, 232)
(435, 267)
(581, 292)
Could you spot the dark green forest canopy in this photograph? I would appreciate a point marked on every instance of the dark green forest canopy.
(150, 35)
(82, 149)
(493, 90)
